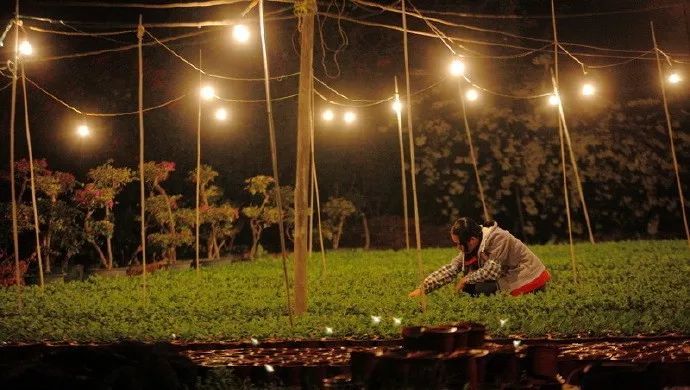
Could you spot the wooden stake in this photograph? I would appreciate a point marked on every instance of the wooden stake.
(398, 115)
(142, 189)
(473, 156)
(670, 135)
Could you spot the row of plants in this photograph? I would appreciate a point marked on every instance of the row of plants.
(75, 215)
(624, 288)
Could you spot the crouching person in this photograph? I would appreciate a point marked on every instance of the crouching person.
(500, 257)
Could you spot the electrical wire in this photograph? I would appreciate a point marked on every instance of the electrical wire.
(81, 33)
(173, 52)
(95, 114)
(256, 100)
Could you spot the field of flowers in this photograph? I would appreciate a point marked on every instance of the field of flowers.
(625, 288)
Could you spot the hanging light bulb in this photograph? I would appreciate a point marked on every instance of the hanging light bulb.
(207, 92)
(588, 89)
(457, 68)
(328, 115)
(221, 114)
(83, 131)
(25, 48)
(554, 100)
(241, 33)
(472, 94)
(397, 106)
(349, 117)
(674, 78)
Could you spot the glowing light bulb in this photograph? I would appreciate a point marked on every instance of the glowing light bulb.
(349, 117)
(83, 131)
(554, 100)
(588, 90)
(207, 92)
(397, 106)
(375, 320)
(457, 68)
(328, 115)
(240, 33)
(674, 78)
(221, 114)
(472, 94)
(25, 48)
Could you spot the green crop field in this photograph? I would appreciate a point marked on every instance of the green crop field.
(625, 288)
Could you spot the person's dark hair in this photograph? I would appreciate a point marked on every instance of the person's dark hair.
(465, 228)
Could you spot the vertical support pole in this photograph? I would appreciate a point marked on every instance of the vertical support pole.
(315, 193)
(398, 115)
(142, 198)
(13, 185)
(32, 176)
(670, 135)
(198, 174)
(274, 160)
(413, 167)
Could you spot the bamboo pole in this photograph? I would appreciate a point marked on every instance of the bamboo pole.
(398, 115)
(32, 176)
(554, 81)
(13, 185)
(274, 160)
(142, 199)
(315, 194)
(670, 135)
(413, 167)
(473, 156)
(198, 174)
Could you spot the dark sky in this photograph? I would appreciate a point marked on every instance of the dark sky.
(364, 68)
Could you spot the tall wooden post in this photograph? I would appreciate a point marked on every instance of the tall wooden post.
(304, 130)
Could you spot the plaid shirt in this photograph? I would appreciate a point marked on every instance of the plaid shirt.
(490, 270)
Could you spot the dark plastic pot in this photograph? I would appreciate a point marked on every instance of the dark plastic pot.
(362, 365)
(442, 339)
(617, 375)
(499, 366)
(476, 333)
(542, 360)
(412, 338)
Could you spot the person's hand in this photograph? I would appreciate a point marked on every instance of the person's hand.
(460, 284)
(415, 293)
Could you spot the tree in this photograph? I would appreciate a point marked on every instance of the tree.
(263, 213)
(97, 198)
(337, 210)
(172, 222)
(218, 218)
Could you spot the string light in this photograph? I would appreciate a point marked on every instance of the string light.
(240, 33)
(397, 106)
(472, 94)
(349, 117)
(588, 89)
(674, 78)
(25, 48)
(221, 114)
(207, 92)
(457, 68)
(554, 100)
(83, 131)
(328, 115)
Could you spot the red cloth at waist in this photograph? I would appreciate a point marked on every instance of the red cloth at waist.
(471, 260)
(538, 282)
